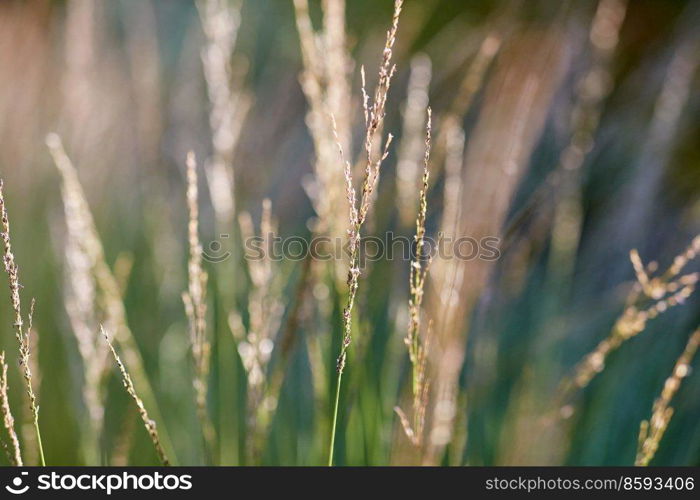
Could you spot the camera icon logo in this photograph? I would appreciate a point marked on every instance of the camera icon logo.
(16, 488)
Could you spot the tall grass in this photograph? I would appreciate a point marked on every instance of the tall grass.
(14, 453)
(359, 208)
(652, 431)
(229, 103)
(257, 342)
(149, 424)
(195, 301)
(417, 341)
(107, 300)
(560, 133)
(21, 333)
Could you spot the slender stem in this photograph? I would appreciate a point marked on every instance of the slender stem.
(335, 419)
(38, 439)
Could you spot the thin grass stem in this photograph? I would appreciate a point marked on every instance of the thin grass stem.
(335, 420)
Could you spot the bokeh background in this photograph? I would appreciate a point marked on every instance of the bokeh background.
(122, 82)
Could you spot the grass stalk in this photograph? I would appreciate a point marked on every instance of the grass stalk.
(148, 423)
(652, 431)
(651, 296)
(374, 112)
(256, 341)
(21, 333)
(417, 343)
(334, 424)
(229, 102)
(108, 299)
(15, 453)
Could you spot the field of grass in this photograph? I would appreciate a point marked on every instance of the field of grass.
(310, 232)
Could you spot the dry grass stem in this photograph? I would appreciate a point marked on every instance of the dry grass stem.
(325, 81)
(14, 453)
(94, 294)
(81, 294)
(416, 343)
(447, 274)
(195, 301)
(248, 298)
(82, 253)
(511, 118)
(256, 343)
(22, 334)
(229, 103)
(649, 297)
(411, 148)
(374, 112)
(149, 424)
(652, 431)
(591, 91)
(119, 456)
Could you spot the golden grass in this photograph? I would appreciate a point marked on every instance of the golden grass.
(325, 81)
(652, 431)
(594, 86)
(84, 241)
(374, 111)
(650, 296)
(22, 334)
(417, 343)
(511, 118)
(14, 453)
(195, 301)
(229, 103)
(149, 424)
(82, 253)
(466, 93)
(478, 191)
